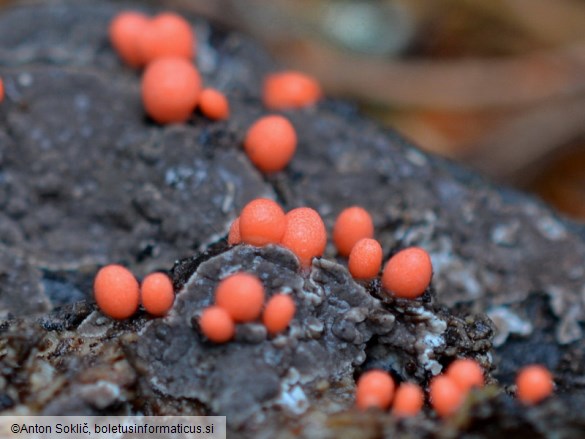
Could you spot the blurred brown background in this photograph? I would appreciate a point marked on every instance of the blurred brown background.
(497, 84)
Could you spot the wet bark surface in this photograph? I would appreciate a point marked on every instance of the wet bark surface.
(87, 179)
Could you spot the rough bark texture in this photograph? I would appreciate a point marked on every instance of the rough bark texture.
(86, 179)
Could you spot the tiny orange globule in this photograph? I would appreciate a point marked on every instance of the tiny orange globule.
(290, 89)
(170, 89)
(466, 373)
(534, 383)
(278, 313)
(352, 224)
(234, 236)
(408, 400)
(365, 259)
(1, 90)
(157, 294)
(125, 30)
(270, 143)
(445, 395)
(217, 325)
(408, 273)
(116, 291)
(166, 35)
(241, 295)
(305, 234)
(213, 104)
(375, 388)
(262, 222)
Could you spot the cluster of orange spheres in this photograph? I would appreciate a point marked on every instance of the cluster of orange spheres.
(165, 46)
(376, 388)
(407, 274)
(271, 141)
(447, 392)
(262, 221)
(118, 294)
(239, 298)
